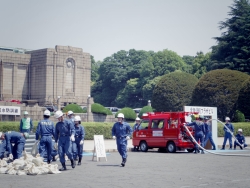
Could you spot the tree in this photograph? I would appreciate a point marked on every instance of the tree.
(244, 98)
(233, 49)
(173, 91)
(219, 88)
(94, 69)
(201, 64)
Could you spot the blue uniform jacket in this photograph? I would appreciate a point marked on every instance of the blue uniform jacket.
(121, 130)
(240, 138)
(79, 132)
(45, 128)
(230, 126)
(208, 127)
(65, 128)
(198, 127)
(136, 127)
(13, 137)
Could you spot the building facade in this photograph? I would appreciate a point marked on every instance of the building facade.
(47, 75)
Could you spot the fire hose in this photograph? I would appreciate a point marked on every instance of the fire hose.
(242, 155)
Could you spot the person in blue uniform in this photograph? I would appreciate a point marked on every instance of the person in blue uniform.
(121, 131)
(79, 139)
(46, 129)
(16, 138)
(208, 133)
(71, 115)
(53, 151)
(241, 139)
(26, 124)
(2, 146)
(64, 135)
(137, 127)
(228, 134)
(199, 128)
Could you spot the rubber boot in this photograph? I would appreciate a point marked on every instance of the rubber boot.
(54, 158)
(79, 161)
(202, 152)
(223, 147)
(196, 151)
(73, 163)
(48, 161)
(123, 161)
(63, 167)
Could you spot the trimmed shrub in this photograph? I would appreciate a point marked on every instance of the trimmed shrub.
(145, 109)
(173, 91)
(239, 116)
(73, 107)
(99, 109)
(244, 99)
(129, 113)
(219, 88)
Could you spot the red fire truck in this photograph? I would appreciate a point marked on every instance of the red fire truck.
(163, 130)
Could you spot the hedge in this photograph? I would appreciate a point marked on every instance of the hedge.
(102, 128)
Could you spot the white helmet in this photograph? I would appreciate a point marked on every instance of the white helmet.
(239, 130)
(137, 119)
(58, 114)
(120, 115)
(77, 118)
(227, 119)
(25, 113)
(70, 112)
(46, 113)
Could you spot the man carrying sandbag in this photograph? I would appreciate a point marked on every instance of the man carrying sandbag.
(46, 129)
(16, 138)
(65, 133)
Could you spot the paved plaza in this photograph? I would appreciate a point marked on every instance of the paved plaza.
(150, 169)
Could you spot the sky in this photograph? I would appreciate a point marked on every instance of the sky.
(104, 27)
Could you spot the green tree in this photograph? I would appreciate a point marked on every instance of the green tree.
(201, 64)
(233, 49)
(173, 91)
(244, 99)
(147, 89)
(219, 88)
(145, 109)
(73, 107)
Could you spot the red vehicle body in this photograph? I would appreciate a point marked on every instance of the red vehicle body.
(164, 131)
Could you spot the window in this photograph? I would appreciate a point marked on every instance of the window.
(157, 124)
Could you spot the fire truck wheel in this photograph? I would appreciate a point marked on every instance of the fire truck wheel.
(190, 150)
(171, 148)
(143, 146)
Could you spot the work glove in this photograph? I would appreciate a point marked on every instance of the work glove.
(81, 143)
(114, 137)
(127, 138)
(10, 156)
(72, 138)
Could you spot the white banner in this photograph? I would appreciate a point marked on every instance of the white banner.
(10, 110)
(206, 111)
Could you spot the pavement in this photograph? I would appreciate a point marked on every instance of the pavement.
(110, 145)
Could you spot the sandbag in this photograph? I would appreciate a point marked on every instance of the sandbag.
(38, 161)
(33, 170)
(3, 163)
(18, 162)
(3, 170)
(34, 150)
(21, 172)
(11, 171)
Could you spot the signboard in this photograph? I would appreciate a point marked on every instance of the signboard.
(99, 147)
(157, 133)
(9, 110)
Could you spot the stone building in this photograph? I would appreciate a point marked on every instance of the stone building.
(47, 75)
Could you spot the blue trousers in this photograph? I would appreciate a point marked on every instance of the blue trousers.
(236, 144)
(2, 148)
(77, 148)
(229, 137)
(17, 149)
(208, 136)
(122, 147)
(45, 147)
(65, 147)
(199, 137)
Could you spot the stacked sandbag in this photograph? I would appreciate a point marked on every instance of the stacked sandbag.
(27, 165)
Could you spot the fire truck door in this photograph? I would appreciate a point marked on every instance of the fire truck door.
(156, 133)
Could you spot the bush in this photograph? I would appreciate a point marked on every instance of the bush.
(173, 91)
(243, 100)
(219, 88)
(99, 109)
(239, 116)
(145, 109)
(129, 114)
(13, 126)
(73, 107)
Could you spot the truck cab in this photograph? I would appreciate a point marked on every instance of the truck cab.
(163, 130)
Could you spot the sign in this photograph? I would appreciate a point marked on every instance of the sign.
(9, 110)
(206, 111)
(99, 147)
(157, 133)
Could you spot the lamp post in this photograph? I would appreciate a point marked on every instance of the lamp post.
(58, 103)
(149, 102)
(88, 108)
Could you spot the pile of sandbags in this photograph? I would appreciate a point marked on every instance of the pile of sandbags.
(27, 165)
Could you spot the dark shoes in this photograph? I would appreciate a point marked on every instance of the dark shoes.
(79, 161)
(63, 167)
(73, 163)
(124, 160)
(54, 158)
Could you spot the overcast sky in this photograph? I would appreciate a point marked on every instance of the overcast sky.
(103, 27)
